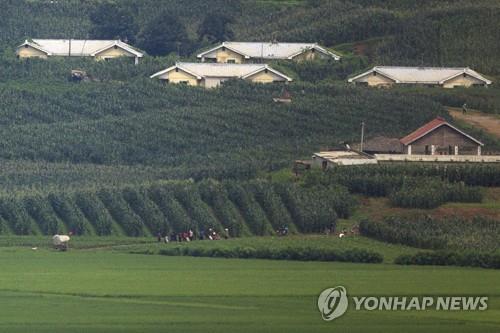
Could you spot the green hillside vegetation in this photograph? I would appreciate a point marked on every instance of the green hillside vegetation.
(244, 208)
(124, 154)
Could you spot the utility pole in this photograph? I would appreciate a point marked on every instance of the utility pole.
(362, 135)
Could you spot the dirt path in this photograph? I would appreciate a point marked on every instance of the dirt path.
(488, 122)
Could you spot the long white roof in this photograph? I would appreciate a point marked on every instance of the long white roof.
(428, 75)
(77, 47)
(269, 50)
(220, 70)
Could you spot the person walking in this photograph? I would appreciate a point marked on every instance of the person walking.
(464, 108)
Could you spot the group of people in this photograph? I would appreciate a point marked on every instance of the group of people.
(282, 231)
(189, 235)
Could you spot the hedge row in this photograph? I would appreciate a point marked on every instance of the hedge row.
(244, 208)
(412, 186)
(432, 193)
(438, 258)
(288, 253)
(473, 174)
(423, 231)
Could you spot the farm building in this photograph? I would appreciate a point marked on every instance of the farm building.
(210, 75)
(251, 52)
(326, 159)
(386, 76)
(438, 137)
(98, 49)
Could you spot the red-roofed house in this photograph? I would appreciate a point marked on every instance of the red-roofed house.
(438, 137)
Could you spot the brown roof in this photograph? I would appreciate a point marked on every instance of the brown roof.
(429, 127)
(381, 144)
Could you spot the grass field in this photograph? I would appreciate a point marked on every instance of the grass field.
(98, 290)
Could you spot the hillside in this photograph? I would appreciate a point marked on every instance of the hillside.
(125, 133)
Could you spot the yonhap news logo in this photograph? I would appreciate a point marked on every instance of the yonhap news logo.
(334, 302)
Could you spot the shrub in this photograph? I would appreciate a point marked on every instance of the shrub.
(66, 209)
(423, 231)
(95, 212)
(279, 253)
(41, 211)
(147, 210)
(446, 258)
(215, 195)
(121, 212)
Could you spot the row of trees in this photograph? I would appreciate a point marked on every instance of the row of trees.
(162, 33)
(245, 208)
(423, 231)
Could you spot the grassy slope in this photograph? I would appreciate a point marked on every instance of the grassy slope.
(110, 292)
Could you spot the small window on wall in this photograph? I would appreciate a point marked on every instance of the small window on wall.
(184, 82)
(374, 73)
(231, 61)
(115, 47)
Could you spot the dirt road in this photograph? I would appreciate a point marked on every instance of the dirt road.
(488, 122)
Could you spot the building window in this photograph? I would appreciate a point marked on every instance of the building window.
(231, 61)
(115, 47)
(265, 70)
(427, 151)
(176, 69)
(374, 73)
(184, 82)
(223, 48)
(26, 46)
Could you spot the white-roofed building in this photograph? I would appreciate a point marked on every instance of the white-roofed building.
(210, 75)
(326, 159)
(446, 77)
(98, 49)
(248, 52)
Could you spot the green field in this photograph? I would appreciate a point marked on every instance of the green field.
(110, 291)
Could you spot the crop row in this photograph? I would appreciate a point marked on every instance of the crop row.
(423, 231)
(244, 208)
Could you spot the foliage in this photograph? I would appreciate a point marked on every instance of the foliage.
(163, 35)
(456, 233)
(244, 208)
(113, 21)
(215, 27)
(446, 258)
(286, 253)
(428, 193)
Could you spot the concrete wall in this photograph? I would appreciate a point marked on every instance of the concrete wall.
(29, 52)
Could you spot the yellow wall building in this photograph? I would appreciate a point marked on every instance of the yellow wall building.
(386, 76)
(211, 75)
(252, 52)
(97, 49)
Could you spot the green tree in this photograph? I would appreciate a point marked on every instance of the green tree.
(215, 28)
(163, 35)
(113, 21)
